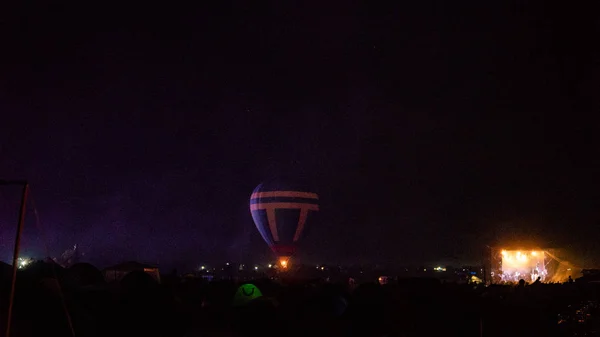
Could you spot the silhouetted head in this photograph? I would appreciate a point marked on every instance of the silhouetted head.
(248, 320)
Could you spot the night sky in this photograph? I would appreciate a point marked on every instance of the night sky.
(430, 129)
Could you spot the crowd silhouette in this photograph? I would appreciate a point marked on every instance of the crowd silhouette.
(52, 301)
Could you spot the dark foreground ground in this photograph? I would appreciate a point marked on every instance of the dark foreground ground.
(138, 306)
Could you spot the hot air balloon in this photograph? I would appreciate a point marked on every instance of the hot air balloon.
(281, 211)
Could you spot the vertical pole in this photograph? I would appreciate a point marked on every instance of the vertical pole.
(16, 256)
(484, 271)
(480, 326)
(488, 262)
(485, 274)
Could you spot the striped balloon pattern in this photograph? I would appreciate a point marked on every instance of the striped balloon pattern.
(281, 215)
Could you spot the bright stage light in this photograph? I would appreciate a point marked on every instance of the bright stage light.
(518, 265)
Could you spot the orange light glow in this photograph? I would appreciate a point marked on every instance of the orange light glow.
(283, 262)
(528, 265)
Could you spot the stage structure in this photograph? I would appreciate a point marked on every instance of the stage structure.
(529, 264)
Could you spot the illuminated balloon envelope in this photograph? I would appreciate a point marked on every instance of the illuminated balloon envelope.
(281, 212)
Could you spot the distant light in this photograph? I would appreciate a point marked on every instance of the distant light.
(255, 268)
(202, 267)
(283, 262)
(425, 269)
(227, 263)
(270, 265)
(322, 268)
(23, 262)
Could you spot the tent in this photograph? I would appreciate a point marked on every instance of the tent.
(246, 293)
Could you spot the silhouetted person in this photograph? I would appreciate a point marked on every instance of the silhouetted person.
(570, 279)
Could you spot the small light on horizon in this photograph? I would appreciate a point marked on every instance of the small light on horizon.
(23, 262)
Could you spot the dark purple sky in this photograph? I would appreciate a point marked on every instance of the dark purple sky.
(430, 129)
